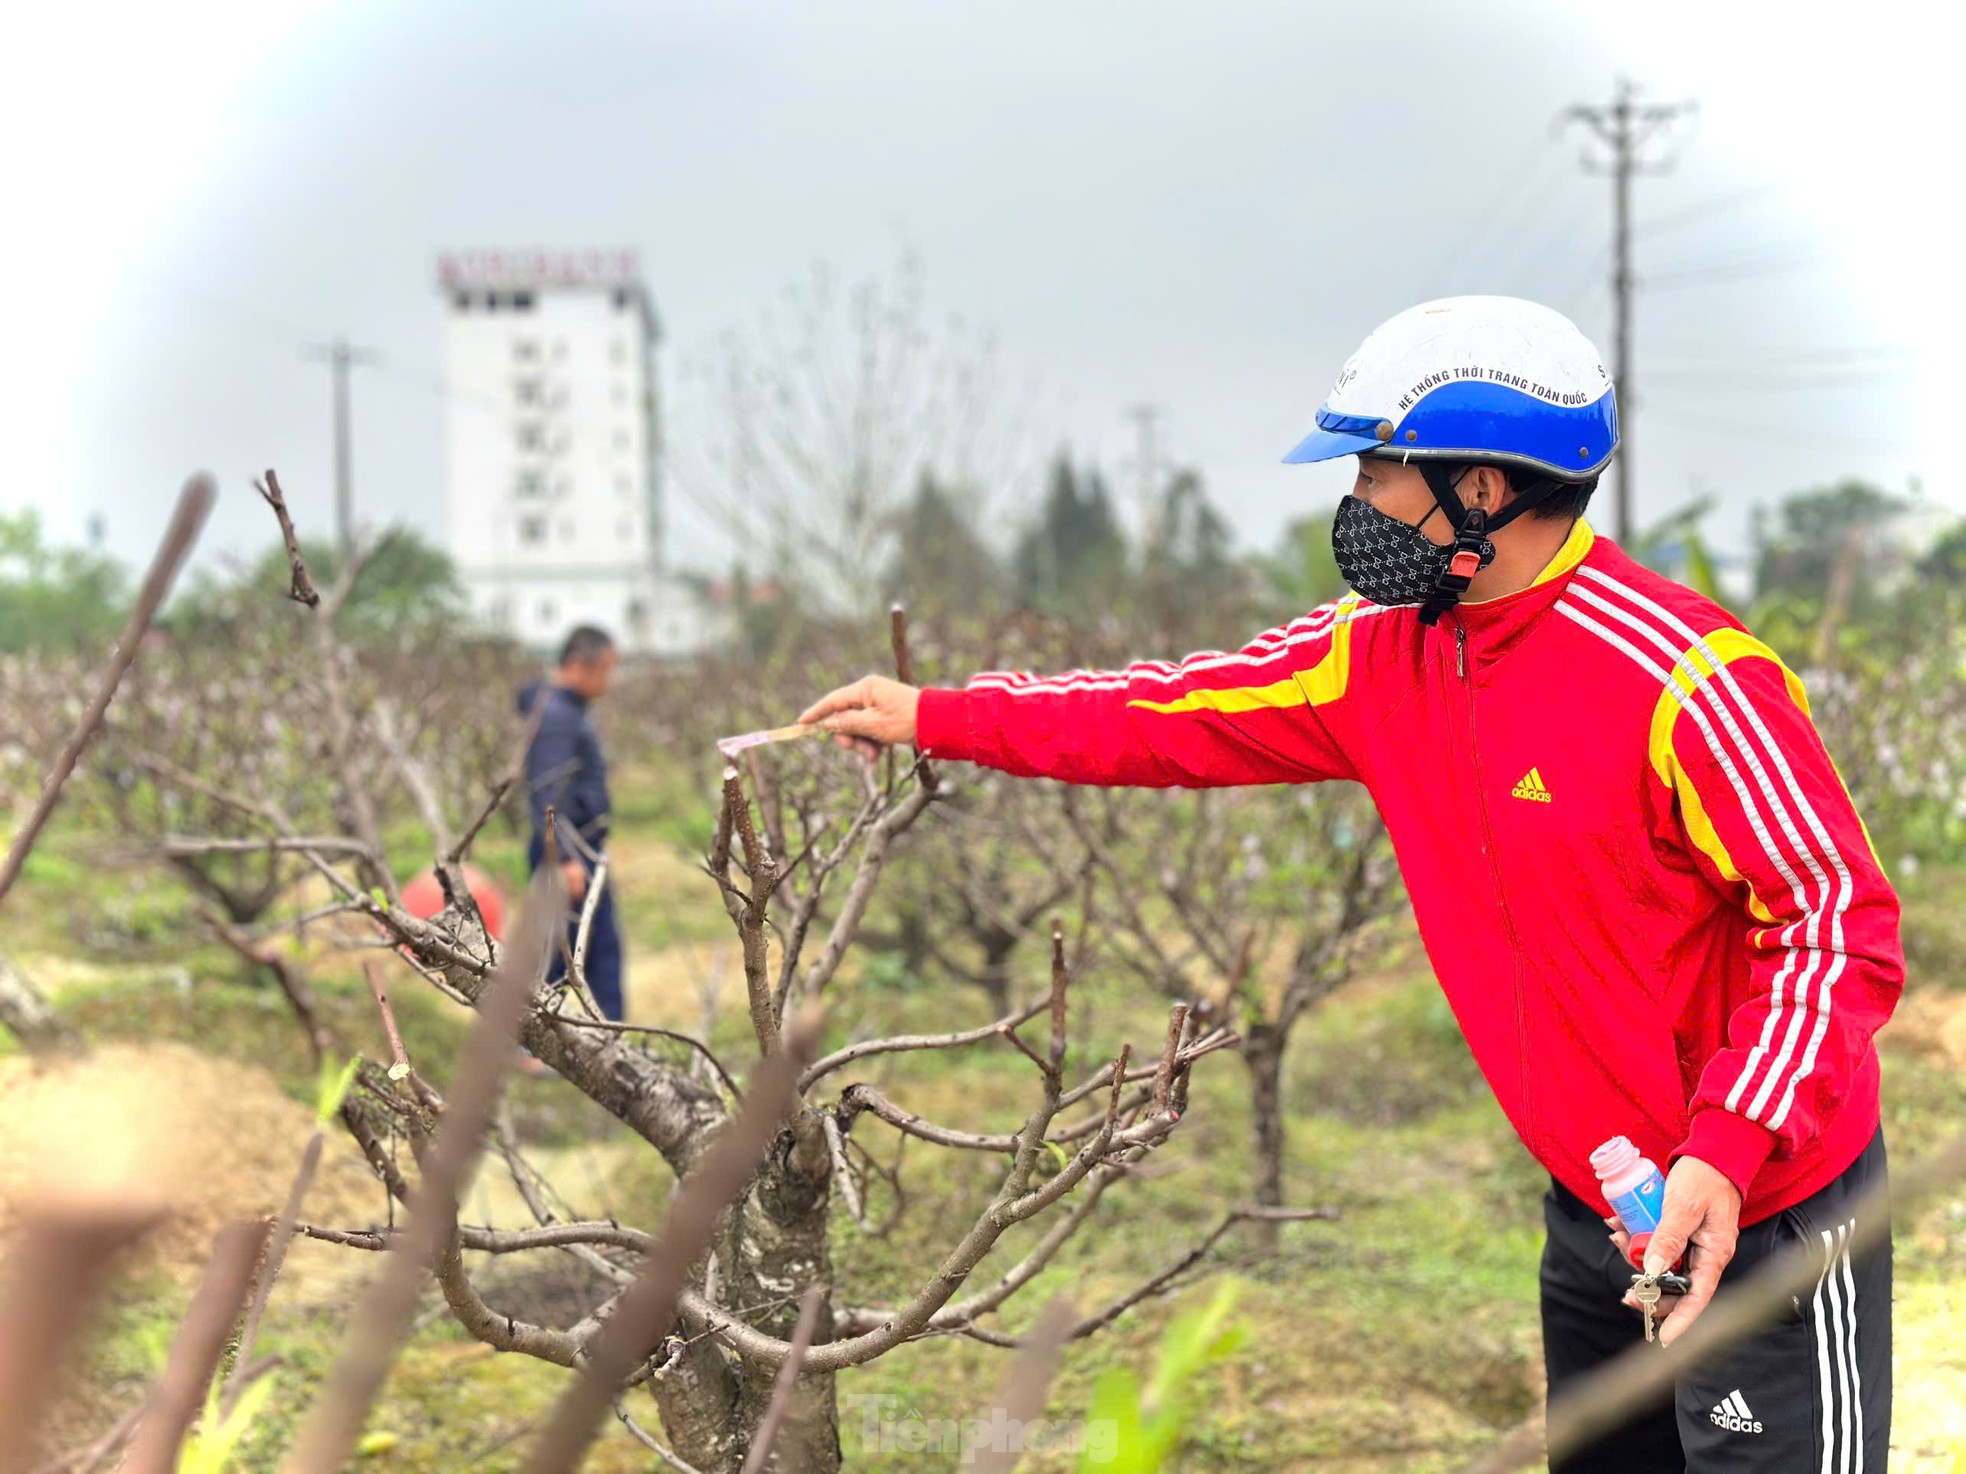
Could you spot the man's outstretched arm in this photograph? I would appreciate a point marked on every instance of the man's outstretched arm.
(1275, 711)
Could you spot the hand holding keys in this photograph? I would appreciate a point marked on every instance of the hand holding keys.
(1649, 1289)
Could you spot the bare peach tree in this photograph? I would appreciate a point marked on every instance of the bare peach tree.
(800, 849)
(819, 420)
(975, 899)
(1251, 904)
(237, 709)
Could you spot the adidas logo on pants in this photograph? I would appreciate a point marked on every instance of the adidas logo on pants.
(1732, 1414)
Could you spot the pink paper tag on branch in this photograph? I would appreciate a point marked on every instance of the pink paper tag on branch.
(732, 746)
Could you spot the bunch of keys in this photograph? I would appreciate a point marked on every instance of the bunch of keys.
(1649, 1289)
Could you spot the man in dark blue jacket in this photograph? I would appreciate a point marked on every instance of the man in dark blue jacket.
(566, 773)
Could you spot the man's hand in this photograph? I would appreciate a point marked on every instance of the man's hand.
(576, 874)
(1700, 1219)
(874, 712)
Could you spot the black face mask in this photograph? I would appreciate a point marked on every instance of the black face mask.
(1389, 561)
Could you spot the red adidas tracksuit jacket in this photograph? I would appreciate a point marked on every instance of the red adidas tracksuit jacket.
(1637, 873)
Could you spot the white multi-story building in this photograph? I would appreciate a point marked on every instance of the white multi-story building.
(553, 450)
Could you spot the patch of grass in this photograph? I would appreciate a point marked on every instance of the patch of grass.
(1933, 924)
(1924, 1097)
(252, 1023)
(45, 867)
(122, 1354)
(77, 893)
(1385, 1059)
(658, 801)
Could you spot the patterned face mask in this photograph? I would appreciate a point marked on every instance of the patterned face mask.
(1386, 560)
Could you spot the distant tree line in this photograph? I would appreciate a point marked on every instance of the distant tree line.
(1828, 562)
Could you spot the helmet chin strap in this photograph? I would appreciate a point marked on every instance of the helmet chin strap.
(1472, 527)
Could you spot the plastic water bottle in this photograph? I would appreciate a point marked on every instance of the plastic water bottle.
(1635, 1189)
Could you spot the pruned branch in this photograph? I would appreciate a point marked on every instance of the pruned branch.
(496, 1329)
(895, 1043)
(747, 910)
(56, 1269)
(301, 590)
(194, 504)
(648, 1441)
(414, 777)
(866, 876)
(788, 1376)
(590, 906)
(514, 770)
(842, 1173)
(961, 1315)
(904, 672)
(384, 1312)
(400, 1061)
(1021, 1394)
(1161, 1283)
(1056, 1066)
(1010, 1205)
(1164, 1076)
(494, 1240)
(180, 847)
(194, 1355)
(276, 1257)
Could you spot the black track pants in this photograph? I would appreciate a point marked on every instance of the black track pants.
(1810, 1394)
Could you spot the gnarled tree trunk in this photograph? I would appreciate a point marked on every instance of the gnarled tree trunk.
(1262, 1055)
(772, 1247)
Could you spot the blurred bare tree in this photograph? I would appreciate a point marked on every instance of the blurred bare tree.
(826, 416)
(982, 885)
(1252, 905)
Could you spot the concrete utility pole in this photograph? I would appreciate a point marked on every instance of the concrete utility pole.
(1147, 462)
(1624, 127)
(340, 358)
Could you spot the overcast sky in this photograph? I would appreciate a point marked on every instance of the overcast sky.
(1200, 206)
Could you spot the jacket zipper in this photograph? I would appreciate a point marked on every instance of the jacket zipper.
(1501, 897)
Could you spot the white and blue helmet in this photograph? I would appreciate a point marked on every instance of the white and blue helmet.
(1473, 379)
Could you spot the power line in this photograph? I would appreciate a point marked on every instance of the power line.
(1562, 249)
(1472, 253)
(1783, 355)
(1584, 283)
(1714, 272)
(1731, 428)
(1738, 382)
(1709, 207)
(1625, 126)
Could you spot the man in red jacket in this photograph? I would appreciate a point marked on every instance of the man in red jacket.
(1637, 874)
